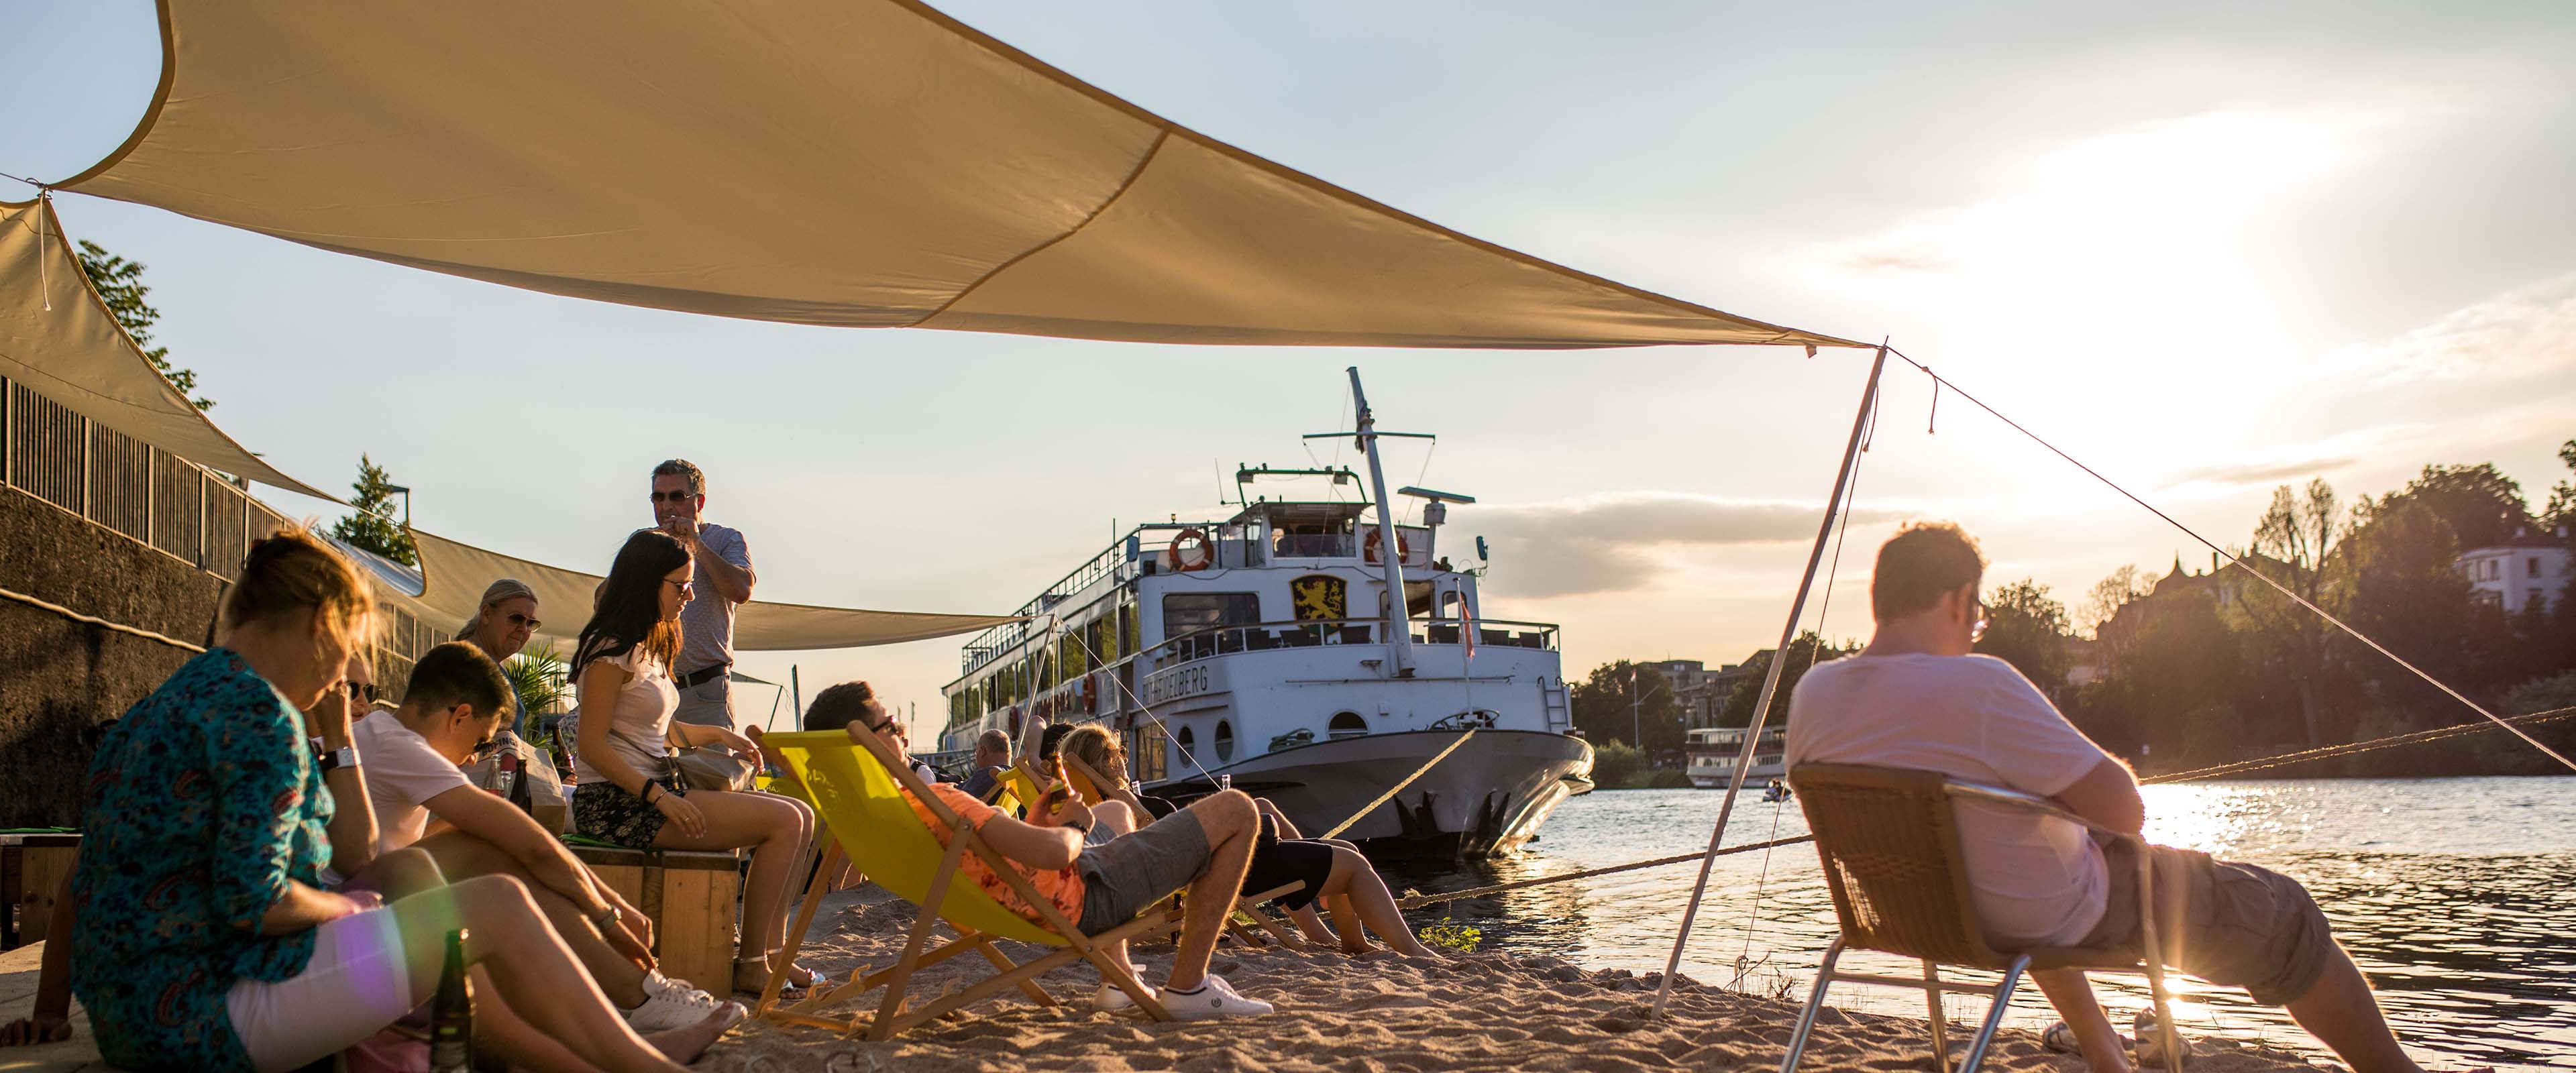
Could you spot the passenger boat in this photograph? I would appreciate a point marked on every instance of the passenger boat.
(1261, 650)
(1712, 752)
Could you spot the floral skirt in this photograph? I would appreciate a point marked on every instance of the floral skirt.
(605, 811)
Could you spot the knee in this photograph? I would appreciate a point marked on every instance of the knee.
(1234, 809)
(498, 902)
(406, 871)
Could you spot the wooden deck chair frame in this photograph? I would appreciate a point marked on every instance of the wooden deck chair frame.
(1093, 789)
(891, 1016)
(1896, 894)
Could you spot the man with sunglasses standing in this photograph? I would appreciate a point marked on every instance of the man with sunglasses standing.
(721, 576)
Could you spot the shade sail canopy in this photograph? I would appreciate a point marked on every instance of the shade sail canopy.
(59, 340)
(865, 163)
(454, 575)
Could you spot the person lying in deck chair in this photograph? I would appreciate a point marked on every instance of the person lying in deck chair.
(1917, 699)
(1205, 848)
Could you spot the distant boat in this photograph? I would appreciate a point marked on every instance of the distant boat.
(1712, 752)
(1776, 792)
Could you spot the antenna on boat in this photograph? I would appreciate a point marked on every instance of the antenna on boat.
(1399, 636)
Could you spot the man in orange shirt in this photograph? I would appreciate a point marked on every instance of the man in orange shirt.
(1206, 848)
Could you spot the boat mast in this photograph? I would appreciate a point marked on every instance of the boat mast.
(1399, 635)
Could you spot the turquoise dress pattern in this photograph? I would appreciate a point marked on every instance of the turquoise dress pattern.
(203, 802)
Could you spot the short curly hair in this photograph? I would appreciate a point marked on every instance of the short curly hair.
(1918, 564)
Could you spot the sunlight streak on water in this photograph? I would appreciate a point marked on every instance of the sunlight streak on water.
(2456, 896)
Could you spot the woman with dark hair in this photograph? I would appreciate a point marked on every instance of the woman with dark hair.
(628, 792)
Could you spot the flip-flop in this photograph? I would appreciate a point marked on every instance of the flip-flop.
(2150, 1045)
(2060, 1037)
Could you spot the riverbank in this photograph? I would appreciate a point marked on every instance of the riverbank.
(1477, 1011)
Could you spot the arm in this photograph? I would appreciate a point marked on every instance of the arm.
(2107, 795)
(731, 579)
(489, 817)
(353, 817)
(1044, 848)
(253, 759)
(301, 907)
(600, 681)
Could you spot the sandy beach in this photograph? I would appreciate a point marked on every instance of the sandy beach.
(1384, 1013)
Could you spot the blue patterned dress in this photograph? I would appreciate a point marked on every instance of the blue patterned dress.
(203, 802)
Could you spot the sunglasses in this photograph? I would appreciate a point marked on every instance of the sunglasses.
(359, 692)
(889, 724)
(523, 622)
(686, 587)
(673, 498)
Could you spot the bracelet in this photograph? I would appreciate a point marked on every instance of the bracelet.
(649, 787)
(606, 916)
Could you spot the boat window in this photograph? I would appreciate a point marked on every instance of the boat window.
(1189, 744)
(1346, 725)
(1127, 631)
(1224, 741)
(1187, 611)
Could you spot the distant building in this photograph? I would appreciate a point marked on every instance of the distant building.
(2526, 569)
(2083, 661)
(2223, 584)
(1698, 692)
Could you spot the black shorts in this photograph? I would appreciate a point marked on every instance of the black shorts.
(1277, 864)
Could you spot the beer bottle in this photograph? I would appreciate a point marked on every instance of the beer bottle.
(451, 1024)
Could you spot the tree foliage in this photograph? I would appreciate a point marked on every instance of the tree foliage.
(120, 286)
(1804, 652)
(2481, 506)
(2110, 594)
(2026, 628)
(372, 526)
(1603, 712)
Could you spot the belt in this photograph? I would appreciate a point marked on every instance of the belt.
(701, 676)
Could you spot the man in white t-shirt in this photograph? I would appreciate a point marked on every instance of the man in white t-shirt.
(456, 701)
(1917, 698)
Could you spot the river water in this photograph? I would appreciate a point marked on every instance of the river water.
(2456, 896)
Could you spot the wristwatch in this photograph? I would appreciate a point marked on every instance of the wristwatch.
(333, 759)
(1083, 828)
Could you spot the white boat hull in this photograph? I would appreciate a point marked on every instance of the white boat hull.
(1715, 778)
(1488, 797)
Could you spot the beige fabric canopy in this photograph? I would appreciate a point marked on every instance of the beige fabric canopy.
(455, 575)
(868, 163)
(76, 354)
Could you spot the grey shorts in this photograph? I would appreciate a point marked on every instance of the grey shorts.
(1122, 876)
(2227, 923)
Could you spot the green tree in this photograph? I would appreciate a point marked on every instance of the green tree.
(2027, 629)
(372, 525)
(2299, 543)
(119, 283)
(1602, 708)
(2562, 495)
(1803, 654)
(2481, 506)
(2110, 594)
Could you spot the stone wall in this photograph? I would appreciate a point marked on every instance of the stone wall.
(59, 678)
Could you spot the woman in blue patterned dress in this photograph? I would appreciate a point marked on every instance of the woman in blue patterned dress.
(201, 940)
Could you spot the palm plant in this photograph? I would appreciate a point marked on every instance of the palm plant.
(537, 674)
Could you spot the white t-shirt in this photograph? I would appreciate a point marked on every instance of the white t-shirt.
(2035, 880)
(402, 773)
(637, 729)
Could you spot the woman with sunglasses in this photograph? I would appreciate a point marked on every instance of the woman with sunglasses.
(503, 620)
(628, 792)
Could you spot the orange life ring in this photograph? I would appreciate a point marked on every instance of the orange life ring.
(1370, 545)
(1207, 551)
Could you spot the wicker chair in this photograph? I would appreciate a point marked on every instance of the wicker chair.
(1890, 847)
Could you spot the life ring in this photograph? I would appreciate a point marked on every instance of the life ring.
(1207, 551)
(1369, 546)
(1090, 694)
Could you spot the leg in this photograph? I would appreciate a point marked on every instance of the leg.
(1229, 821)
(1358, 883)
(1116, 818)
(2340, 1012)
(500, 1032)
(462, 855)
(776, 830)
(2072, 994)
(526, 962)
(1286, 829)
(399, 874)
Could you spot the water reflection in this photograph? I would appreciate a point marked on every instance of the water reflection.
(2456, 896)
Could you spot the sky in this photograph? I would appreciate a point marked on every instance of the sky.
(2206, 248)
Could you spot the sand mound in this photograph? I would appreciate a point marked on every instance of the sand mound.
(1470, 1012)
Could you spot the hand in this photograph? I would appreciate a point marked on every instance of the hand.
(361, 901)
(624, 938)
(682, 814)
(1072, 811)
(739, 745)
(35, 1029)
(684, 528)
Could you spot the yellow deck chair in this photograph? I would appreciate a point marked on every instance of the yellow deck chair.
(855, 782)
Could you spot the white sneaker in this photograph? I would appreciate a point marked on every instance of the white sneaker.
(1214, 998)
(1111, 998)
(669, 1003)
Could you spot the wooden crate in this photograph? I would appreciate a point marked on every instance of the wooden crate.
(693, 899)
(33, 870)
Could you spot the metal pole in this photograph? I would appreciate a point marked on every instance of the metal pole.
(1399, 635)
(1636, 703)
(1771, 679)
(798, 693)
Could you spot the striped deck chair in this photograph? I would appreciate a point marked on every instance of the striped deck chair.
(856, 784)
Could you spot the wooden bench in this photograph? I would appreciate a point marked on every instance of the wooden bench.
(693, 899)
(33, 868)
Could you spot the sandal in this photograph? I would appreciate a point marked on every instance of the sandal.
(2150, 1044)
(2060, 1037)
(788, 991)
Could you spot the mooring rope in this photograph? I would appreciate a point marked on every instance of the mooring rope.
(1416, 901)
(1399, 787)
(98, 622)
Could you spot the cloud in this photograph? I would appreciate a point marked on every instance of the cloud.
(2524, 331)
(1620, 543)
(2255, 472)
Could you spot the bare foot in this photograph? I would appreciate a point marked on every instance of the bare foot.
(685, 1043)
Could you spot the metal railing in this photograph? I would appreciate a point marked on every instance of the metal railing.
(166, 503)
(1310, 633)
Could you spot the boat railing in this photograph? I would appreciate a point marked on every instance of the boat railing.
(1310, 633)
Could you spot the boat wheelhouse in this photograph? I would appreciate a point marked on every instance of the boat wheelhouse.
(1712, 752)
